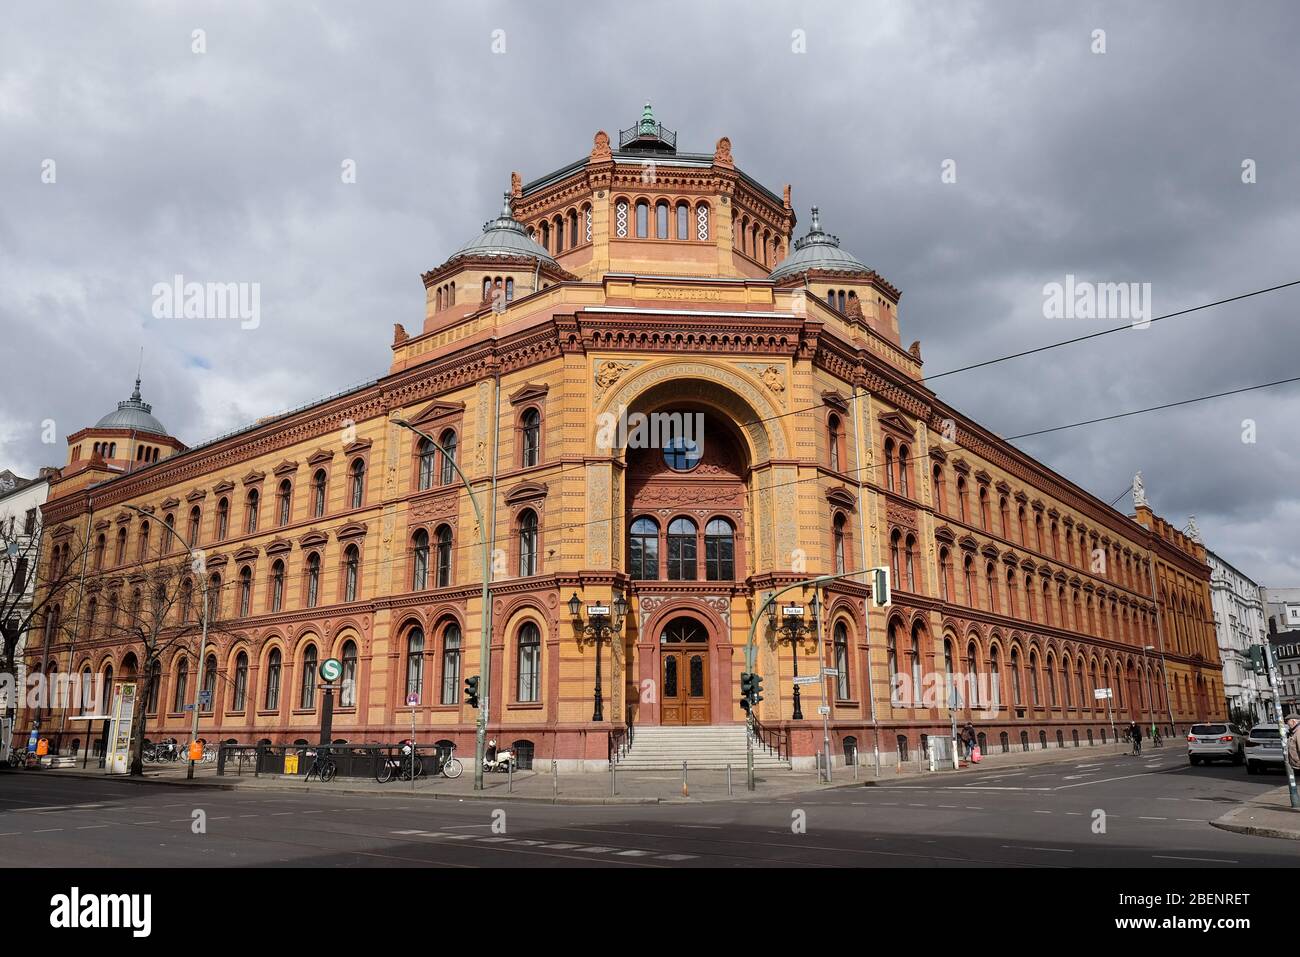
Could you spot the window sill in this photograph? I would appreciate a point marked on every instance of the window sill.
(269, 714)
(304, 711)
(524, 706)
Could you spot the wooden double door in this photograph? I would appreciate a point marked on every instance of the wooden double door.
(684, 674)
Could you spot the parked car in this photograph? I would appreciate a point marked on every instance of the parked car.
(1264, 748)
(1216, 741)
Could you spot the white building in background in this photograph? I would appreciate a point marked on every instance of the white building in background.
(1239, 622)
(1282, 606)
(20, 519)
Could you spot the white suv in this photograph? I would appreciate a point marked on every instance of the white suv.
(1264, 748)
(1215, 741)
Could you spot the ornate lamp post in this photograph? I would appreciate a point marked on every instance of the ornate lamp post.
(792, 627)
(602, 621)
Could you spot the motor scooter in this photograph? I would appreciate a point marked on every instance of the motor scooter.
(498, 759)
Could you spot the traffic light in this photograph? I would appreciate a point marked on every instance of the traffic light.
(1258, 663)
(746, 689)
(471, 691)
(756, 688)
(880, 596)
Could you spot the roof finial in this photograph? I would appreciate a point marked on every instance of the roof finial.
(506, 212)
(648, 125)
(139, 366)
(816, 221)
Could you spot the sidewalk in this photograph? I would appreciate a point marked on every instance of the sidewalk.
(1269, 815)
(629, 787)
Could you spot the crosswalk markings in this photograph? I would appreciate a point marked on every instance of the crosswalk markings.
(580, 848)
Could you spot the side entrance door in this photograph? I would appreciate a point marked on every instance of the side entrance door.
(684, 674)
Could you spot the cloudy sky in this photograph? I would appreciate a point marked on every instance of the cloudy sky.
(1122, 166)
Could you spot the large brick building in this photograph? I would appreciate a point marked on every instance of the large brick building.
(638, 279)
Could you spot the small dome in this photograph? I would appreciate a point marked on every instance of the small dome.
(133, 413)
(818, 250)
(504, 236)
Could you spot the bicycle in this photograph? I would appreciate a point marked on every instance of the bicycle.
(1157, 741)
(322, 767)
(399, 766)
(451, 766)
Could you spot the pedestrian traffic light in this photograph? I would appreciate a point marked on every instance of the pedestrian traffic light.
(471, 691)
(746, 689)
(880, 596)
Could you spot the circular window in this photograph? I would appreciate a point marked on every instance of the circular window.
(682, 455)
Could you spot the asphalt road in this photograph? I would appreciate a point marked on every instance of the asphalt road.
(1155, 811)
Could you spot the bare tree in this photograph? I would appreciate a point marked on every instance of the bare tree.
(40, 572)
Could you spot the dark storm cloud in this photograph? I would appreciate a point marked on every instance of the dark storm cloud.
(225, 166)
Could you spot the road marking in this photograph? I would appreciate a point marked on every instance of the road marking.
(47, 830)
(250, 815)
(970, 808)
(677, 857)
(949, 806)
(1206, 860)
(1123, 777)
(1054, 850)
(1042, 812)
(701, 827)
(633, 853)
(1145, 817)
(496, 840)
(596, 849)
(146, 822)
(408, 832)
(560, 847)
(91, 827)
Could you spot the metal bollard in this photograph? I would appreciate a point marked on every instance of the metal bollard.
(728, 780)
(855, 763)
(510, 776)
(686, 791)
(555, 779)
(613, 777)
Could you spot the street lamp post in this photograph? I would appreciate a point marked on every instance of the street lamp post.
(1151, 704)
(794, 628)
(485, 647)
(198, 567)
(600, 623)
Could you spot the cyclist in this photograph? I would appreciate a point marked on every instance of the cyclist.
(1135, 734)
(1155, 737)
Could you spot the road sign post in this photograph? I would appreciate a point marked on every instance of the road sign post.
(413, 702)
(1105, 693)
(330, 670)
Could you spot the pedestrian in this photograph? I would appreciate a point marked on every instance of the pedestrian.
(971, 740)
(1293, 744)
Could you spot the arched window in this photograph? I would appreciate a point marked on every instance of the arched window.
(415, 662)
(101, 544)
(358, 478)
(351, 572)
(889, 464)
(937, 488)
(573, 228)
(833, 434)
(527, 543)
(273, 681)
(986, 517)
(154, 690)
(307, 690)
(961, 500)
(719, 551)
(277, 585)
(1016, 694)
(420, 560)
(546, 243)
(991, 581)
(530, 429)
(450, 663)
(914, 659)
(444, 556)
(557, 231)
(910, 562)
(895, 571)
(209, 699)
(968, 571)
(972, 671)
(427, 455)
(891, 656)
(240, 693)
(510, 289)
(681, 550)
(348, 680)
(945, 575)
(182, 680)
(447, 440)
(213, 597)
(313, 579)
(121, 545)
(837, 535)
(223, 519)
(284, 503)
(250, 511)
(642, 219)
(318, 494)
(661, 220)
(904, 467)
(643, 549)
(528, 662)
(841, 640)
(245, 591)
(683, 221)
